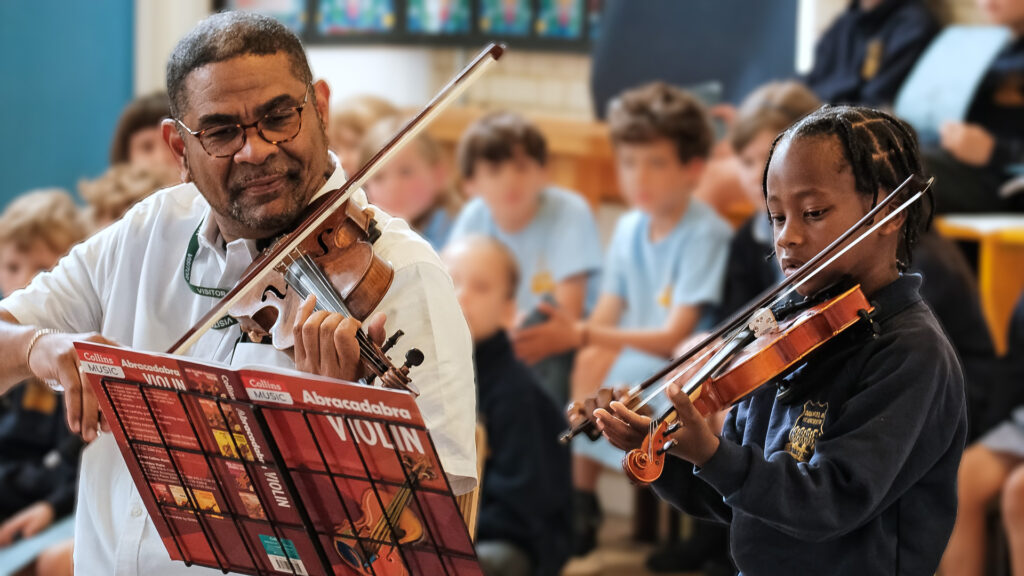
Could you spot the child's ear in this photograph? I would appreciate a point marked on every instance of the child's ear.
(508, 314)
(694, 168)
(895, 225)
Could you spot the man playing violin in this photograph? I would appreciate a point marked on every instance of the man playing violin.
(248, 133)
(848, 463)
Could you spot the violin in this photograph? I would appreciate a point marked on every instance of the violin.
(751, 348)
(329, 254)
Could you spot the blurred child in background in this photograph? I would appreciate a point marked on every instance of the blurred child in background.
(38, 454)
(117, 190)
(414, 185)
(137, 139)
(980, 154)
(524, 524)
(502, 158)
(867, 52)
(350, 119)
(663, 271)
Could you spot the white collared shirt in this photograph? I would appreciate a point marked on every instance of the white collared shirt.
(127, 283)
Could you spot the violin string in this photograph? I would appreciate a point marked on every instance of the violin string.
(308, 279)
(314, 273)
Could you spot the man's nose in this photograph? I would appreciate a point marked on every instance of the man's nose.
(255, 150)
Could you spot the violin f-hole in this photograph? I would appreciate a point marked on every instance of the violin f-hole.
(324, 249)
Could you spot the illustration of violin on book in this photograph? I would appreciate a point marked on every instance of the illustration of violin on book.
(257, 472)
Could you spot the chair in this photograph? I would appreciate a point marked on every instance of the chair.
(469, 503)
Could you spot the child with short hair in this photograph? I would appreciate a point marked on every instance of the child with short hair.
(39, 466)
(350, 119)
(847, 464)
(502, 158)
(413, 185)
(664, 268)
(762, 116)
(117, 190)
(524, 505)
(137, 139)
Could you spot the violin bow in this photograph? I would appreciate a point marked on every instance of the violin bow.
(259, 271)
(735, 324)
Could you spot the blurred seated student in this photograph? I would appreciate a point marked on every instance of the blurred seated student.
(981, 154)
(137, 139)
(524, 505)
(761, 117)
(663, 271)
(502, 158)
(38, 454)
(414, 185)
(992, 477)
(350, 119)
(865, 55)
(117, 190)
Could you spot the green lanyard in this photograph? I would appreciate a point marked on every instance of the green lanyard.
(190, 256)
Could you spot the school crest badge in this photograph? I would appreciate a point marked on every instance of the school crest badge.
(806, 430)
(872, 59)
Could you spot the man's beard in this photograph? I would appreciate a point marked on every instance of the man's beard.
(249, 214)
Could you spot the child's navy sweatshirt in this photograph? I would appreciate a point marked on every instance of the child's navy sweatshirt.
(849, 464)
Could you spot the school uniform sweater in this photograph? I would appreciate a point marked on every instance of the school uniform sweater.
(40, 455)
(864, 57)
(526, 480)
(852, 468)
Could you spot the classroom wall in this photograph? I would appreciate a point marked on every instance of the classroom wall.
(67, 73)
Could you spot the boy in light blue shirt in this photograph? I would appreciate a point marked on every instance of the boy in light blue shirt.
(550, 231)
(664, 269)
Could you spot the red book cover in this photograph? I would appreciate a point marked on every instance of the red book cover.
(277, 472)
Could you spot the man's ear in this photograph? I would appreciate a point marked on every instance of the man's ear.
(323, 102)
(170, 134)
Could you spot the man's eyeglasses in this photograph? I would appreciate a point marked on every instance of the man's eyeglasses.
(275, 127)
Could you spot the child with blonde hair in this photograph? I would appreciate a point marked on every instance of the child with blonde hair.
(414, 185)
(39, 466)
(117, 190)
(350, 120)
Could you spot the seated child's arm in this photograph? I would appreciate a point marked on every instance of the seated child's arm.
(571, 294)
(562, 332)
(682, 320)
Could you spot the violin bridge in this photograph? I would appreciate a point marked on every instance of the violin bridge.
(763, 322)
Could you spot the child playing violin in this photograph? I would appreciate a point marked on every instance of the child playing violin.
(846, 464)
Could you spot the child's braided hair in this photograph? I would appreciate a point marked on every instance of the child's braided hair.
(882, 152)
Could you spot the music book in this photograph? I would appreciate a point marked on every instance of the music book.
(269, 472)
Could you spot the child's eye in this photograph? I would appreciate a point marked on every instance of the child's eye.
(776, 219)
(815, 214)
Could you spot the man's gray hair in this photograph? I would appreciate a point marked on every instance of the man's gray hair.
(227, 35)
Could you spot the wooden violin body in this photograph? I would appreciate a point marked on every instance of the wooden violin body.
(765, 358)
(342, 249)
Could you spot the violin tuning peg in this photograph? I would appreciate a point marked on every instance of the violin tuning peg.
(372, 232)
(413, 358)
(390, 343)
(673, 428)
(667, 446)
